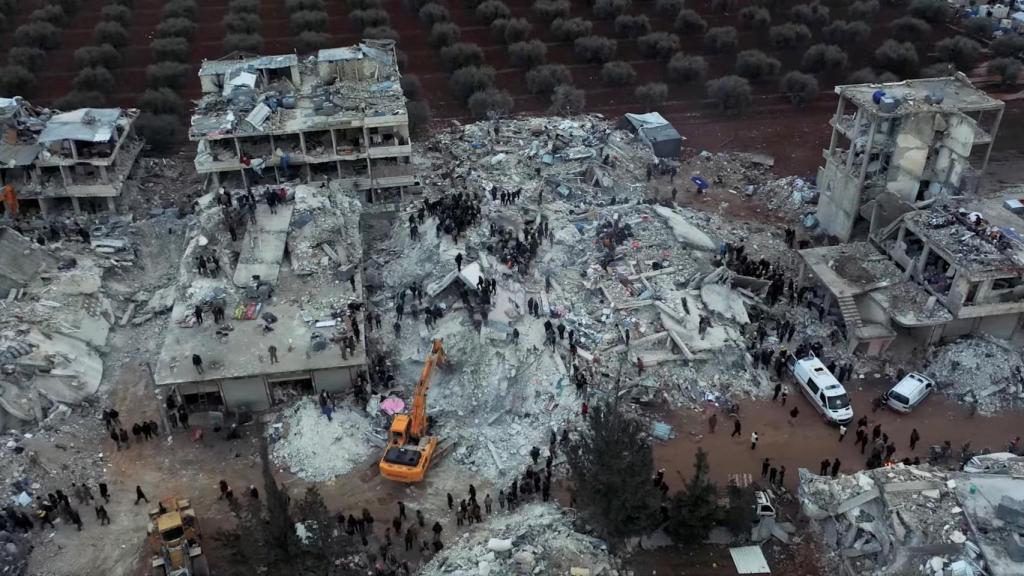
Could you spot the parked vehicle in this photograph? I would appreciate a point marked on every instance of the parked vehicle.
(763, 506)
(822, 389)
(909, 392)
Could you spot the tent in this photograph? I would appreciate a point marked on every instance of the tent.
(653, 129)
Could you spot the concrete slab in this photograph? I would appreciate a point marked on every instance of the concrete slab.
(263, 246)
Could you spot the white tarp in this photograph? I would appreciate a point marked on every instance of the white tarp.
(749, 560)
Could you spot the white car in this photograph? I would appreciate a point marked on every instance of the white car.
(909, 392)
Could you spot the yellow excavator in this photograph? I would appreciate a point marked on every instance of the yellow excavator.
(409, 450)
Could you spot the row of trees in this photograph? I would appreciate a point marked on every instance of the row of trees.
(96, 61)
(307, 22)
(32, 41)
(243, 26)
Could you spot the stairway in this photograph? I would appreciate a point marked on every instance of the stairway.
(851, 315)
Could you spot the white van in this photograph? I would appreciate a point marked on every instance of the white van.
(822, 389)
(909, 392)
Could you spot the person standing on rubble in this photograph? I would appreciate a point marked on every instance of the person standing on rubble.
(116, 439)
(198, 313)
(458, 261)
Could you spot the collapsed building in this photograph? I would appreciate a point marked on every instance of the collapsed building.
(917, 139)
(900, 520)
(304, 308)
(52, 161)
(336, 115)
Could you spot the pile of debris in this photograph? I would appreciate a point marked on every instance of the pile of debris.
(537, 539)
(981, 370)
(317, 448)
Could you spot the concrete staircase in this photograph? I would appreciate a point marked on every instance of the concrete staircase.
(851, 315)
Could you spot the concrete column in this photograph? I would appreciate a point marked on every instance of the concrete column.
(800, 275)
(919, 269)
(104, 176)
(856, 130)
(245, 179)
(111, 205)
(44, 207)
(835, 130)
(74, 150)
(867, 153)
(77, 207)
(302, 143)
(216, 179)
(334, 143)
(988, 151)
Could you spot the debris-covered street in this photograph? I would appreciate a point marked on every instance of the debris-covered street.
(551, 345)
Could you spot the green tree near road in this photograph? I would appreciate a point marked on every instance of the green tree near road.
(694, 509)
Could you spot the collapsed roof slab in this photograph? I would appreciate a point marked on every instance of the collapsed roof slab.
(263, 246)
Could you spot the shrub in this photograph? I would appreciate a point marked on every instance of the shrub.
(114, 13)
(412, 88)
(845, 33)
(651, 95)
(466, 81)
(544, 79)
(618, 73)
(659, 45)
(1008, 70)
(27, 57)
(960, 50)
(162, 101)
(789, 35)
(491, 100)
(381, 33)
(1008, 45)
(517, 30)
(43, 35)
(497, 29)
(315, 21)
(80, 99)
(243, 43)
(567, 101)
(690, 22)
(823, 58)
(629, 26)
(443, 34)
(528, 54)
(898, 58)
(300, 5)
(419, 115)
(160, 131)
(800, 88)
(723, 6)
(180, 9)
(16, 81)
(812, 15)
(907, 29)
(609, 9)
(310, 41)
(934, 11)
(175, 27)
(567, 30)
(756, 65)
(491, 10)
(52, 13)
(668, 7)
(862, 76)
(732, 93)
(461, 55)
(174, 49)
(979, 27)
(721, 39)
(755, 18)
(244, 23)
(548, 10)
(167, 74)
(125, 3)
(94, 80)
(684, 69)
(432, 13)
(105, 56)
(595, 49)
(363, 19)
(863, 10)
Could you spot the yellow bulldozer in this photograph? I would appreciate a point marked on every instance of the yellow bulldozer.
(174, 540)
(409, 450)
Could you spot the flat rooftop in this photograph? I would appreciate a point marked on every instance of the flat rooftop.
(304, 304)
(30, 130)
(958, 94)
(947, 230)
(851, 269)
(262, 96)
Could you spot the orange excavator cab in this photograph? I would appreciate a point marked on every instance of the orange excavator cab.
(410, 450)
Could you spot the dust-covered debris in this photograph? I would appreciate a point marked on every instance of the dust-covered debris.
(979, 370)
(317, 448)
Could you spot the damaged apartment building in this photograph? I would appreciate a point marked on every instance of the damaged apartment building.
(336, 115)
(919, 140)
(52, 161)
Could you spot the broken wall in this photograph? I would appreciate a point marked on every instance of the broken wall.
(906, 168)
(839, 203)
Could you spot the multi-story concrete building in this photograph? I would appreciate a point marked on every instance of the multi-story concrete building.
(917, 139)
(337, 115)
(77, 160)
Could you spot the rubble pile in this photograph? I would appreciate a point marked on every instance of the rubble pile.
(14, 551)
(537, 539)
(318, 449)
(894, 520)
(981, 370)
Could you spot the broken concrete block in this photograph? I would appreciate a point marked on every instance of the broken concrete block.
(1011, 510)
(933, 494)
(499, 544)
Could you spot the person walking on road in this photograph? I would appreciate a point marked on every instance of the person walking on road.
(765, 464)
(794, 413)
(782, 475)
(140, 495)
(712, 422)
(772, 475)
(835, 467)
(823, 470)
(753, 440)
(842, 432)
(914, 438)
(737, 427)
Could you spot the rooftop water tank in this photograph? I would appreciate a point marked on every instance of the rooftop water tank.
(877, 96)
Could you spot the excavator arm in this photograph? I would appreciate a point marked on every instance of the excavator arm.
(419, 404)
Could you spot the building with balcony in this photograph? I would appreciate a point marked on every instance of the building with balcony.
(920, 140)
(336, 115)
(65, 161)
